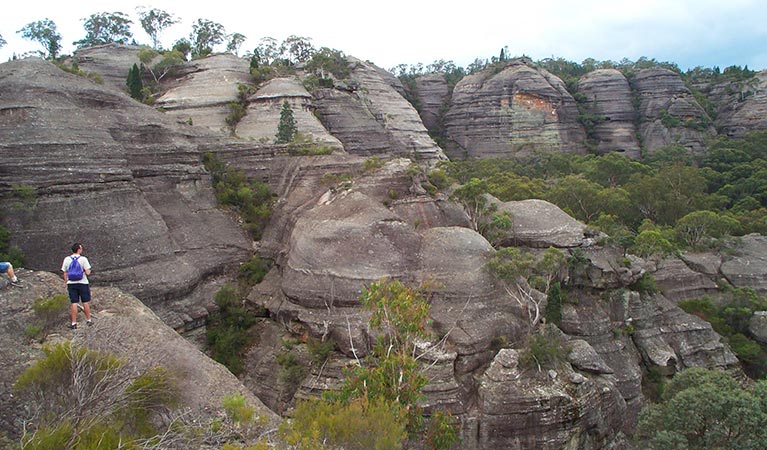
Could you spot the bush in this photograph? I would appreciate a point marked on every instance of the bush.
(442, 433)
(360, 424)
(545, 349)
(319, 349)
(237, 410)
(228, 330)
(253, 271)
(50, 310)
(645, 284)
(292, 372)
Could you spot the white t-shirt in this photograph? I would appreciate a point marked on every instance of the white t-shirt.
(84, 263)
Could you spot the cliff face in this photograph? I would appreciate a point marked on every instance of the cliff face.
(516, 111)
(114, 174)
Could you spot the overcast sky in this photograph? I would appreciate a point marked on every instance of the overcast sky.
(689, 32)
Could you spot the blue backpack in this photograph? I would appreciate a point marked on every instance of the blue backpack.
(75, 271)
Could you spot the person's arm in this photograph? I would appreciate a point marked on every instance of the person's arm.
(87, 267)
(64, 268)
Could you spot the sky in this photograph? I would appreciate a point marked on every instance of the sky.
(690, 33)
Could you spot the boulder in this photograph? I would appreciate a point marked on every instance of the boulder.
(111, 61)
(757, 326)
(540, 224)
(678, 282)
(518, 110)
(608, 96)
(747, 267)
(583, 357)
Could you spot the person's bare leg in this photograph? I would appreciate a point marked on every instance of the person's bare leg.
(73, 311)
(11, 275)
(87, 309)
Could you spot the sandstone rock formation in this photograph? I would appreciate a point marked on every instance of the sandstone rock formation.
(747, 268)
(122, 326)
(371, 118)
(516, 111)
(111, 61)
(118, 176)
(741, 105)
(204, 94)
(608, 96)
(669, 114)
(540, 224)
(433, 96)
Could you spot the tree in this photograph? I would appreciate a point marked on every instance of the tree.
(286, 129)
(693, 228)
(267, 51)
(235, 40)
(513, 268)
(134, 83)
(706, 409)
(297, 49)
(169, 61)
(43, 32)
(472, 196)
(205, 34)
(154, 21)
(183, 46)
(105, 28)
(2, 41)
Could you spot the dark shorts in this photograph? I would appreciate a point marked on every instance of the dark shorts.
(4, 267)
(78, 292)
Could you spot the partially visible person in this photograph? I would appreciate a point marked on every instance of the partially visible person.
(76, 269)
(7, 268)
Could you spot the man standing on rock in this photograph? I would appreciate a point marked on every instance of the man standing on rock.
(76, 269)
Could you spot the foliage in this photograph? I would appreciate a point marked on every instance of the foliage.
(730, 318)
(441, 433)
(286, 128)
(698, 226)
(328, 62)
(360, 423)
(252, 199)
(645, 284)
(50, 310)
(303, 145)
(10, 253)
(44, 33)
(237, 409)
(113, 404)
(183, 46)
(553, 311)
(292, 371)
(372, 164)
(253, 271)
(472, 197)
(706, 409)
(105, 28)
(204, 36)
(2, 41)
(546, 348)
(228, 330)
(154, 21)
(234, 42)
(319, 349)
(134, 83)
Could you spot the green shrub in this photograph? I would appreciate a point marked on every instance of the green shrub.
(359, 424)
(228, 330)
(253, 271)
(545, 349)
(645, 284)
(441, 433)
(372, 164)
(237, 410)
(50, 310)
(292, 372)
(318, 349)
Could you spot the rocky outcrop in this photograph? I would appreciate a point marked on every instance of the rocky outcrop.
(371, 118)
(678, 282)
(747, 268)
(264, 109)
(111, 61)
(668, 112)
(608, 97)
(118, 176)
(540, 224)
(515, 111)
(757, 326)
(204, 94)
(569, 410)
(122, 326)
(741, 105)
(433, 95)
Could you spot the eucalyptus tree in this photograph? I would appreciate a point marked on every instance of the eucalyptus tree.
(154, 21)
(234, 42)
(44, 33)
(105, 28)
(205, 34)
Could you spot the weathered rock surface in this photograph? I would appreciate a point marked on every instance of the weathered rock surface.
(115, 174)
(517, 111)
(433, 94)
(205, 92)
(568, 409)
(747, 268)
(372, 118)
(265, 107)
(757, 326)
(609, 96)
(540, 224)
(677, 281)
(122, 326)
(669, 113)
(741, 105)
(111, 61)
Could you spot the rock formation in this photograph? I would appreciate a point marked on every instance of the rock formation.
(433, 95)
(518, 110)
(608, 97)
(123, 326)
(111, 61)
(668, 112)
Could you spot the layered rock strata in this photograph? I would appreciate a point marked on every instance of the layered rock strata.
(518, 110)
(609, 99)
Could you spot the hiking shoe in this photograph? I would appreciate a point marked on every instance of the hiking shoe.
(16, 283)
(72, 326)
(89, 322)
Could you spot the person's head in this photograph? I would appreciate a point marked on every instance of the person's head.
(76, 247)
